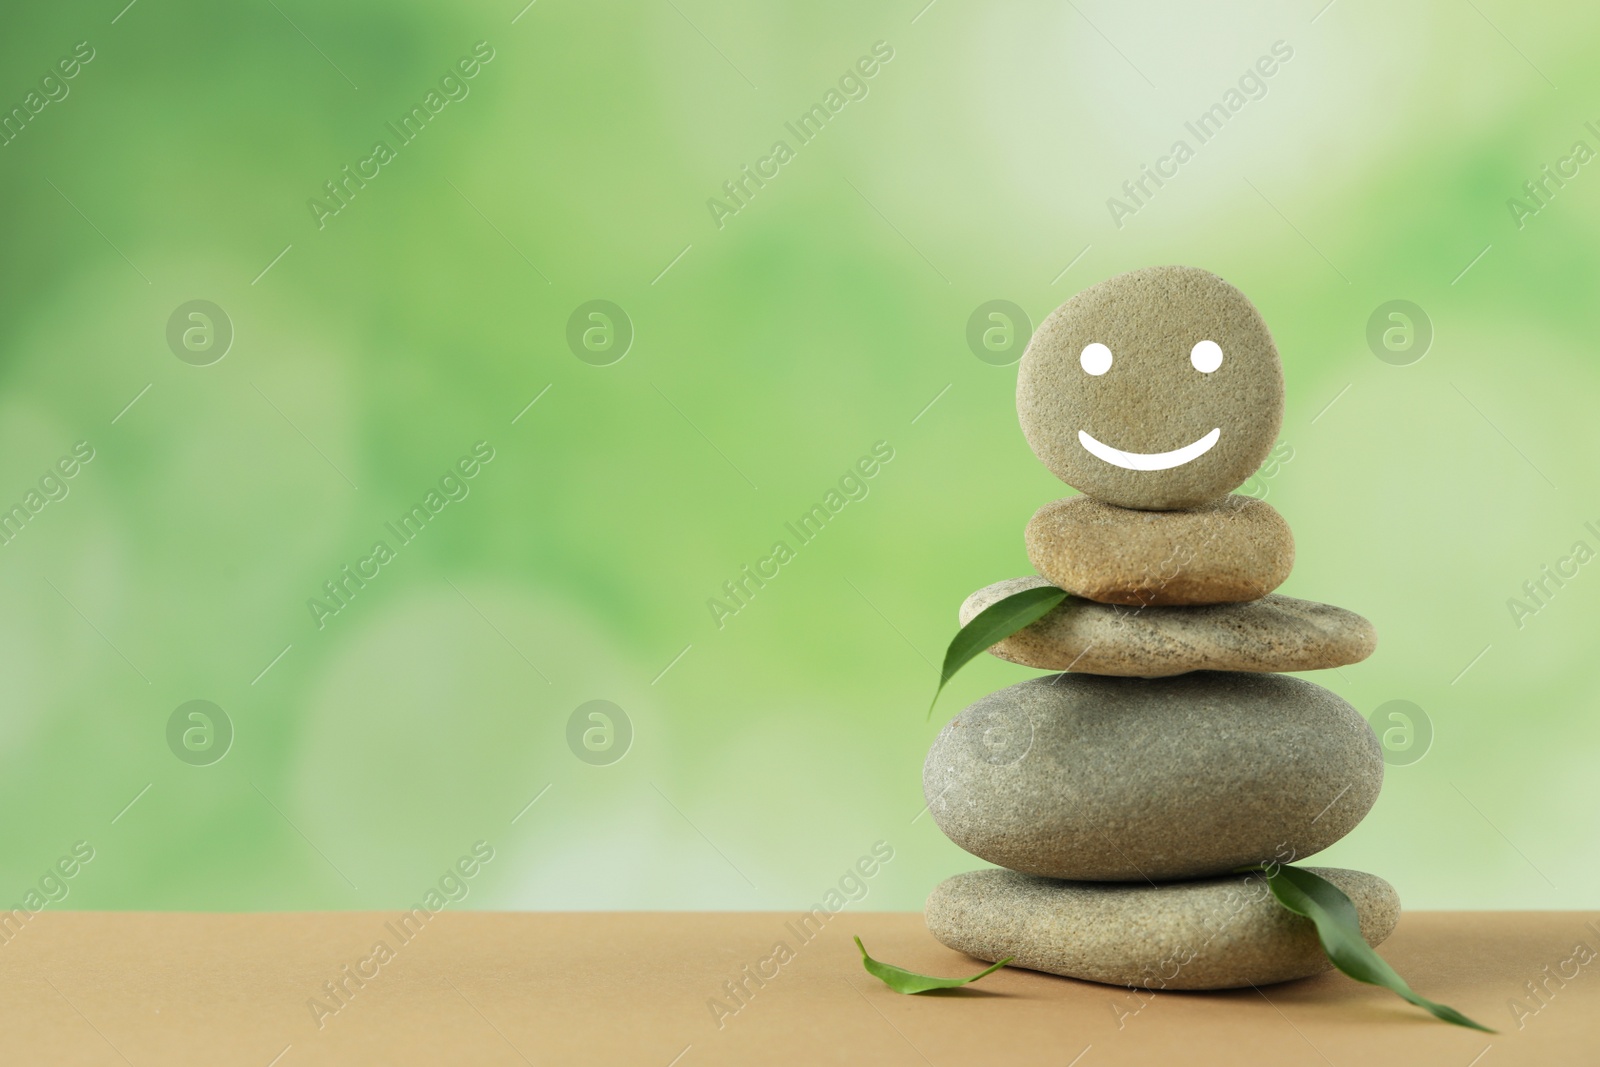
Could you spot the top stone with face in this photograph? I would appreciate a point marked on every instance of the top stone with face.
(1157, 389)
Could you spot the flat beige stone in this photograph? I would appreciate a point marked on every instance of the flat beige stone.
(1125, 779)
(1231, 550)
(1153, 406)
(1276, 633)
(1219, 933)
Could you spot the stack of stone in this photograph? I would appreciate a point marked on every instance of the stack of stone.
(1121, 797)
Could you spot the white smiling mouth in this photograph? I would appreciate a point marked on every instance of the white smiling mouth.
(1149, 461)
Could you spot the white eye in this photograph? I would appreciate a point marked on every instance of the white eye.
(1096, 358)
(1206, 356)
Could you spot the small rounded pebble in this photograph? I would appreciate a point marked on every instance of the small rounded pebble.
(1231, 550)
(1160, 388)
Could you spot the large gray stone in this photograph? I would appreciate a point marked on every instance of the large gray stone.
(1128, 434)
(1126, 779)
(1219, 933)
(1224, 552)
(1274, 633)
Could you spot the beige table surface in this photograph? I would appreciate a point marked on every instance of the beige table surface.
(633, 988)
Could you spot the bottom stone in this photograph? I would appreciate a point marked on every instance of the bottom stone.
(1213, 933)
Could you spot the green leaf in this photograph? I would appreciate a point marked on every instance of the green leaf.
(1339, 929)
(994, 624)
(903, 981)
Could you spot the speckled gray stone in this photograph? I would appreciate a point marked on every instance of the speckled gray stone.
(1275, 633)
(1122, 779)
(1152, 399)
(1231, 550)
(1220, 933)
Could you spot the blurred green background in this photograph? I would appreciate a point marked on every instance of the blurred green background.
(768, 354)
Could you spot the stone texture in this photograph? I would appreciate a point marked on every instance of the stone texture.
(1220, 933)
(1152, 399)
(1224, 552)
(1121, 779)
(1275, 633)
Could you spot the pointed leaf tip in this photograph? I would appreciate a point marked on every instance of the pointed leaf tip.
(1339, 930)
(994, 624)
(903, 981)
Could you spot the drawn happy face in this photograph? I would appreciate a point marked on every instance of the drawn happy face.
(1157, 389)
